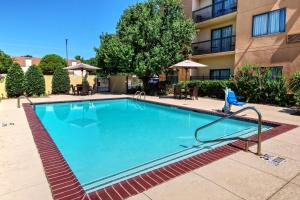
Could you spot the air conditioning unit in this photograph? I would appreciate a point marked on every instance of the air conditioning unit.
(292, 38)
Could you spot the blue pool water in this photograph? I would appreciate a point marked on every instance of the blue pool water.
(106, 141)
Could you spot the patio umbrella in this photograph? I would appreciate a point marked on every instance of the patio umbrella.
(82, 66)
(187, 64)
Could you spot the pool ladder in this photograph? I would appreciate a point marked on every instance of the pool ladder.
(259, 126)
(139, 94)
(23, 97)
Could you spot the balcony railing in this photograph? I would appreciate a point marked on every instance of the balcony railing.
(214, 46)
(214, 10)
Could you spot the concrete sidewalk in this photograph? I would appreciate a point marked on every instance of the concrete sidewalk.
(239, 176)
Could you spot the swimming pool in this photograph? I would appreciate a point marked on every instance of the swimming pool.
(107, 141)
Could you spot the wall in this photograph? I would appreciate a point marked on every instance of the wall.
(220, 62)
(182, 75)
(197, 4)
(48, 83)
(271, 50)
(118, 84)
(204, 34)
(187, 7)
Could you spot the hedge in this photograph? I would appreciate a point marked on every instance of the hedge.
(209, 88)
(60, 81)
(34, 81)
(258, 85)
(14, 84)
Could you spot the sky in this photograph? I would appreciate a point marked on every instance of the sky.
(40, 27)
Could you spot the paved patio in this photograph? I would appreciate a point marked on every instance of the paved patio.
(239, 176)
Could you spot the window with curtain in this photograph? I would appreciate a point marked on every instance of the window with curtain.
(219, 74)
(269, 23)
(221, 39)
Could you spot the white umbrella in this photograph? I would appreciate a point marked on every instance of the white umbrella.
(187, 64)
(82, 66)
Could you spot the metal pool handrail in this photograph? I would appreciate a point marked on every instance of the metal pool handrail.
(139, 94)
(259, 126)
(23, 97)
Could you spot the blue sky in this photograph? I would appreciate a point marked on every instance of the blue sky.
(39, 27)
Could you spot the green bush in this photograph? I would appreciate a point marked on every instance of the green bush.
(295, 82)
(51, 62)
(34, 81)
(257, 85)
(209, 88)
(297, 97)
(14, 84)
(60, 81)
(5, 62)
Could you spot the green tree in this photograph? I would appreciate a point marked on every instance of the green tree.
(51, 62)
(113, 56)
(14, 84)
(60, 81)
(34, 81)
(5, 62)
(158, 33)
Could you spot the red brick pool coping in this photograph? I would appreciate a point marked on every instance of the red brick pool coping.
(65, 186)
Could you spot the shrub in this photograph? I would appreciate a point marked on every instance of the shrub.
(14, 83)
(258, 85)
(60, 81)
(210, 88)
(5, 62)
(297, 97)
(34, 81)
(51, 62)
(295, 82)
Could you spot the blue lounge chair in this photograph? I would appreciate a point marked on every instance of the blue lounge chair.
(232, 99)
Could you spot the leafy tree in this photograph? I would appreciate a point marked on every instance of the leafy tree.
(113, 56)
(34, 81)
(158, 33)
(5, 62)
(151, 36)
(51, 62)
(14, 84)
(60, 81)
(78, 57)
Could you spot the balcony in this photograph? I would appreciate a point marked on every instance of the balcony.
(215, 10)
(214, 46)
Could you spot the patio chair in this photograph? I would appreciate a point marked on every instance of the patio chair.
(232, 99)
(195, 93)
(92, 90)
(74, 90)
(85, 90)
(177, 92)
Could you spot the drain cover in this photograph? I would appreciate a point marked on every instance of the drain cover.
(273, 160)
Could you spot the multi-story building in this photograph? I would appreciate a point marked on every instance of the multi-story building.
(230, 33)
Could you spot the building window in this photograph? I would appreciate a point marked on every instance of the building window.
(28, 62)
(219, 74)
(269, 23)
(221, 39)
(275, 71)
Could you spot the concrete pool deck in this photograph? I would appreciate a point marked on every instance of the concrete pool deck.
(239, 176)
